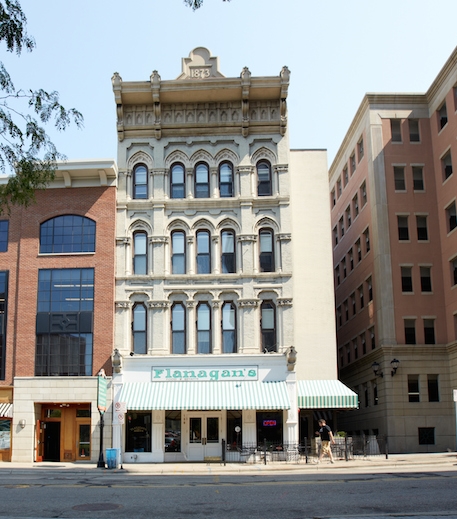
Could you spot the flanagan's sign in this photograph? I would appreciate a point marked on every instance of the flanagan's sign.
(205, 373)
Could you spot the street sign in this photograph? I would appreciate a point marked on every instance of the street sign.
(120, 407)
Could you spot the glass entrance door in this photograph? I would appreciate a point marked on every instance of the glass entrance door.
(204, 436)
(83, 442)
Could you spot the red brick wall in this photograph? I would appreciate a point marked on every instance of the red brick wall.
(23, 261)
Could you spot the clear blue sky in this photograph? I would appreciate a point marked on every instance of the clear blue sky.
(336, 51)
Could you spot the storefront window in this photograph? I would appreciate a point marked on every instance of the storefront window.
(138, 435)
(5, 434)
(173, 431)
(234, 430)
(269, 428)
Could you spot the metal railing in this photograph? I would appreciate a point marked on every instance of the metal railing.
(307, 451)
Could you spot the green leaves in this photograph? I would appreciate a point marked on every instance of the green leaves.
(27, 153)
(196, 4)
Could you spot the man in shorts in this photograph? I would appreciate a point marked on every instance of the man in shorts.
(326, 439)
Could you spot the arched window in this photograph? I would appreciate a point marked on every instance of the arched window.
(177, 181)
(67, 234)
(266, 250)
(226, 179)
(140, 253)
(203, 252)
(267, 326)
(228, 261)
(178, 252)
(264, 187)
(178, 329)
(229, 344)
(203, 328)
(140, 182)
(201, 180)
(139, 328)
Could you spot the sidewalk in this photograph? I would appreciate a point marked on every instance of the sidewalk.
(432, 462)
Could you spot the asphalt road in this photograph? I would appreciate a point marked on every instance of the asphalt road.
(299, 496)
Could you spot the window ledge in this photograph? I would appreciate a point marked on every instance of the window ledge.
(66, 253)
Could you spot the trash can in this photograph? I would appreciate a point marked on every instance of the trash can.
(112, 458)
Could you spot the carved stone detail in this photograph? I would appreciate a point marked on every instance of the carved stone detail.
(284, 301)
(248, 303)
(123, 304)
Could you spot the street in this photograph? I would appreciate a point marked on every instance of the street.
(280, 496)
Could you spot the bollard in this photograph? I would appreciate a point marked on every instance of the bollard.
(223, 451)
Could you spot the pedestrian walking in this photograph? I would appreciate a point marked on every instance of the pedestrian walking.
(326, 440)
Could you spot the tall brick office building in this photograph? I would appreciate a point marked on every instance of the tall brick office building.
(56, 304)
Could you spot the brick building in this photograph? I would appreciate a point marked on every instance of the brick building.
(57, 293)
(393, 190)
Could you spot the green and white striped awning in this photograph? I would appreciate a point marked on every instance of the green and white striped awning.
(325, 394)
(204, 395)
(6, 410)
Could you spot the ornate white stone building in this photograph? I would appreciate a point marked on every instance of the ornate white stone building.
(224, 327)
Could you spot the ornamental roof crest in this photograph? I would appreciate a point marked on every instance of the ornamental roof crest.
(200, 65)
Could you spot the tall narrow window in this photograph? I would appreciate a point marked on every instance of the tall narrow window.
(454, 272)
(369, 284)
(266, 256)
(3, 319)
(366, 235)
(178, 329)
(228, 263)
(410, 331)
(348, 216)
(446, 165)
(267, 326)
(4, 224)
(341, 225)
(361, 297)
(363, 194)
(177, 181)
(426, 279)
(395, 126)
(406, 279)
(418, 178)
(203, 328)
(140, 257)
(413, 388)
(339, 190)
(264, 187)
(352, 163)
(337, 275)
(399, 178)
(202, 180)
(229, 344)
(442, 116)
(414, 135)
(226, 179)
(403, 230)
(451, 216)
(429, 331)
(433, 389)
(355, 205)
(360, 149)
(140, 182)
(422, 228)
(359, 250)
(363, 342)
(178, 253)
(139, 329)
(203, 252)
